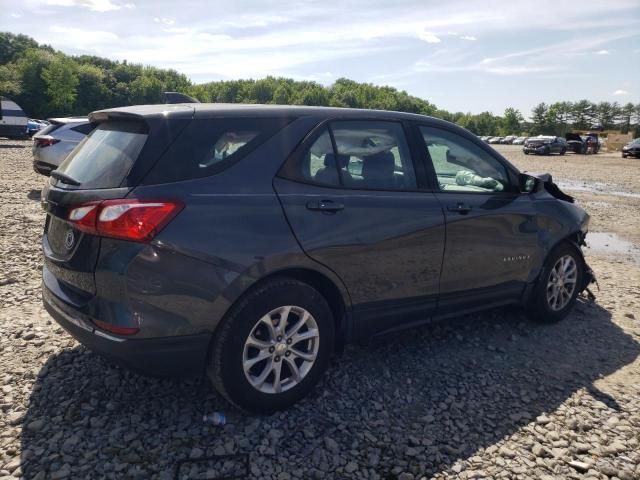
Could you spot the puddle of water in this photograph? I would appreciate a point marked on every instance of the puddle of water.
(606, 243)
(595, 187)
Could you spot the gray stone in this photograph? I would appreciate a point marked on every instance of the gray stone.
(331, 445)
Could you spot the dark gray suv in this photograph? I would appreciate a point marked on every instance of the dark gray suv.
(254, 241)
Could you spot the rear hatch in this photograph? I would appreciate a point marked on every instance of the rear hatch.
(106, 165)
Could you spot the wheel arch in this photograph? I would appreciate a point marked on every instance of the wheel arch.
(331, 289)
(575, 238)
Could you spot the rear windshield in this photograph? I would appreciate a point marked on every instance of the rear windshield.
(103, 159)
(208, 146)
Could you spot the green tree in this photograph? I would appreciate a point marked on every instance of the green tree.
(145, 89)
(61, 78)
(10, 80)
(93, 94)
(12, 47)
(511, 121)
(582, 113)
(606, 113)
(539, 118)
(626, 117)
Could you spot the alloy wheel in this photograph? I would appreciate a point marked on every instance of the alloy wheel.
(281, 349)
(562, 282)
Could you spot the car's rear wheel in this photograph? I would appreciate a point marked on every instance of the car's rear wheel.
(563, 151)
(273, 347)
(558, 285)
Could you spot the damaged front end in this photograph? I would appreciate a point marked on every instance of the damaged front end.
(543, 182)
(588, 275)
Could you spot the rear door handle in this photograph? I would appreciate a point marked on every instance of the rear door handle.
(460, 208)
(325, 206)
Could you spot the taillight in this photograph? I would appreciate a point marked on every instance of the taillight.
(135, 220)
(108, 327)
(45, 141)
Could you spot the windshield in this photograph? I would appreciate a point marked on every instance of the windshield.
(103, 159)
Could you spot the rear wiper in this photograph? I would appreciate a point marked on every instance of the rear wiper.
(64, 178)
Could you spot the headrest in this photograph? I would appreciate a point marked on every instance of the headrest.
(330, 160)
(379, 166)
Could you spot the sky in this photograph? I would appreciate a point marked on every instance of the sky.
(469, 56)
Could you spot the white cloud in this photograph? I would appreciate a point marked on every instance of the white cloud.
(16, 15)
(468, 37)
(72, 37)
(601, 52)
(621, 92)
(428, 37)
(166, 21)
(93, 5)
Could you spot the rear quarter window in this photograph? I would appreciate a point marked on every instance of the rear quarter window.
(209, 146)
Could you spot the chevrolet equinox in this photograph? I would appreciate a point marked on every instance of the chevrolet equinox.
(252, 242)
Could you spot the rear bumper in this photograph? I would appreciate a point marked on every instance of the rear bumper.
(162, 356)
(43, 168)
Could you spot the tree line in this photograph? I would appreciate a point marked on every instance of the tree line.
(46, 83)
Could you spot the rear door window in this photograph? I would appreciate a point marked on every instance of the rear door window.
(103, 158)
(360, 155)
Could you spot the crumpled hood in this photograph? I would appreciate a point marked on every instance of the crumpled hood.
(547, 183)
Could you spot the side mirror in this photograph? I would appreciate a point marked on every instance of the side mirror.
(527, 183)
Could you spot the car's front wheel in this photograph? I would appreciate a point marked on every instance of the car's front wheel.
(558, 285)
(273, 347)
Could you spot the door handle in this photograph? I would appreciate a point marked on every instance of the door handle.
(325, 206)
(460, 208)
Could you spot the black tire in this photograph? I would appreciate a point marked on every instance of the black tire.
(624, 156)
(225, 368)
(537, 307)
(563, 151)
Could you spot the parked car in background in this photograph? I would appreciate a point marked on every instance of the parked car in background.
(508, 140)
(495, 140)
(576, 143)
(52, 144)
(34, 126)
(13, 120)
(484, 138)
(545, 145)
(632, 149)
(519, 141)
(252, 241)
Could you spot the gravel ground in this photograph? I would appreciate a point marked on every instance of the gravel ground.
(483, 396)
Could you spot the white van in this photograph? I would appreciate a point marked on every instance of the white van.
(13, 120)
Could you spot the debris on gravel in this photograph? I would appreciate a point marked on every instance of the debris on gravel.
(546, 401)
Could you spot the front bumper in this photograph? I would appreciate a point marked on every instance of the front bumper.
(535, 149)
(162, 356)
